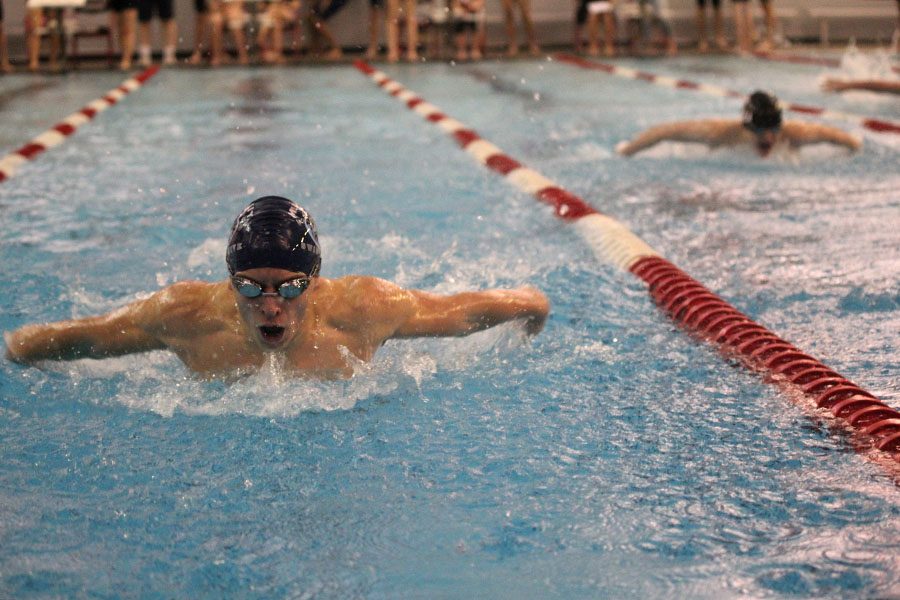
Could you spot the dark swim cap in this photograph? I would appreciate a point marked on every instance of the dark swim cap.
(761, 111)
(274, 232)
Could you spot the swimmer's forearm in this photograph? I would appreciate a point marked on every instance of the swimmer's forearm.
(34, 343)
(501, 306)
(96, 337)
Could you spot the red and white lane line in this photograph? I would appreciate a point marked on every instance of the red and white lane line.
(800, 59)
(877, 125)
(694, 307)
(54, 136)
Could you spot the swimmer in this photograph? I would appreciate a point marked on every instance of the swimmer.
(761, 127)
(274, 302)
(888, 86)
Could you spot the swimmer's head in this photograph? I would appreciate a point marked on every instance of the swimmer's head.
(276, 233)
(762, 116)
(761, 111)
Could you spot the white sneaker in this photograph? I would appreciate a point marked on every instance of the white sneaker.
(145, 57)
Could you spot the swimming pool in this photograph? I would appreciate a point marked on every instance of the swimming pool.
(612, 456)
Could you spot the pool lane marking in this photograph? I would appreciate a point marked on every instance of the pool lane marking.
(57, 134)
(876, 426)
(877, 125)
(800, 59)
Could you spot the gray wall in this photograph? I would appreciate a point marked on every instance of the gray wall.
(837, 20)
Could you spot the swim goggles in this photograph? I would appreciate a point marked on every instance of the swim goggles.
(288, 289)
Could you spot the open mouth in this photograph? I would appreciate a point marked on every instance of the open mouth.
(271, 334)
(764, 148)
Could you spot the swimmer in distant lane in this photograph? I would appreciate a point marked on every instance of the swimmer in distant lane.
(275, 303)
(761, 127)
(889, 86)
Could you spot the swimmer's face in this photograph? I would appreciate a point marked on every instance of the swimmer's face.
(764, 139)
(273, 319)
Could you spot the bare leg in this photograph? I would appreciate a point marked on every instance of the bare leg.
(509, 21)
(374, 13)
(719, 27)
(392, 26)
(127, 25)
(769, 19)
(525, 10)
(33, 43)
(412, 31)
(170, 35)
(4, 52)
(702, 46)
(144, 52)
(742, 26)
(593, 32)
(201, 23)
(609, 24)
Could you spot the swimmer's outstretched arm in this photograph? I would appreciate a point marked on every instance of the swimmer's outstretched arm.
(112, 334)
(432, 315)
(870, 85)
(799, 134)
(709, 131)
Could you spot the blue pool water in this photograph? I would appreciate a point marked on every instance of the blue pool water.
(611, 456)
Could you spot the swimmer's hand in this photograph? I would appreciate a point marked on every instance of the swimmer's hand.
(538, 307)
(16, 345)
(834, 85)
(624, 148)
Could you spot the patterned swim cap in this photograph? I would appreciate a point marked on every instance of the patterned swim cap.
(274, 232)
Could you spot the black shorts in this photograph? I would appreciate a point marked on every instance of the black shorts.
(162, 8)
(461, 26)
(200, 6)
(715, 3)
(121, 5)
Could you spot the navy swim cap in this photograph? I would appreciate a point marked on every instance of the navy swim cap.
(274, 232)
(761, 111)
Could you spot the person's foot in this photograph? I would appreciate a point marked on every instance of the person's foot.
(722, 44)
(475, 54)
(512, 51)
(243, 59)
(763, 46)
(195, 59)
(609, 51)
(371, 53)
(412, 56)
(593, 50)
(702, 47)
(534, 50)
(393, 57)
(33, 67)
(334, 54)
(6, 67)
(461, 56)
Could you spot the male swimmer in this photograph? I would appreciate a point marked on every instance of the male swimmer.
(275, 302)
(761, 127)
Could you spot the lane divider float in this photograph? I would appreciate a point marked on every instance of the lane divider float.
(877, 125)
(697, 309)
(54, 136)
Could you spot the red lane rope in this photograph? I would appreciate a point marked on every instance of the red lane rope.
(62, 130)
(876, 125)
(875, 425)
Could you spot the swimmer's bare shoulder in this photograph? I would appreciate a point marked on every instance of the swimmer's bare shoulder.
(138, 326)
(366, 304)
(188, 309)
